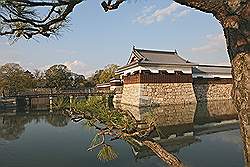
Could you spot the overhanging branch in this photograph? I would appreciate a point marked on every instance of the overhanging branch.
(29, 18)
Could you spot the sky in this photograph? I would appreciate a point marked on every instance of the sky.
(96, 39)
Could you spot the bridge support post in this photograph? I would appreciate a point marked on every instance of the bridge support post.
(27, 103)
(50, 103)
(110, 100)
(71, 98)
(20, 103)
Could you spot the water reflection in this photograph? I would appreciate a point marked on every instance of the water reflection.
(215, 111)
(203, 134)
(200, 113)
(180, 126)
(12, 124)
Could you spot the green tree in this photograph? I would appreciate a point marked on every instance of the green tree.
(58, 77)
(104, 75)
(78, 81)
(108, 73)
(94, 79)
(39, 79)
(29, 79)
(13, 79)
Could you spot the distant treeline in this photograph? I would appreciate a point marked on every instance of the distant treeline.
(14, 79)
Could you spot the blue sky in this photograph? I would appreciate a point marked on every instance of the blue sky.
(96, 38)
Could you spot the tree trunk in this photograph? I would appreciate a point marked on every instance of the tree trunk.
(167, 157)
(236, 25)
(240, 94)
(234, 16)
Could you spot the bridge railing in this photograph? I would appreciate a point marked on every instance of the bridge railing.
(45, 91)
(85, 92)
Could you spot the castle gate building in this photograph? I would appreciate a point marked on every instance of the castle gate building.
(156, 78)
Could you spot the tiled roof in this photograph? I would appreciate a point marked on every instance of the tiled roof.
(211, 69)
(159, 57)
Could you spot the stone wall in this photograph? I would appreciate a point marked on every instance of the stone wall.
(212, 89)
(153, 94)
(157, 94)
(131, 94)
(158, 89)
(212, 92)
(167, 93)
(117, 96)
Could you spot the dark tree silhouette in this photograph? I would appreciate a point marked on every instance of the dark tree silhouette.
(25, 18)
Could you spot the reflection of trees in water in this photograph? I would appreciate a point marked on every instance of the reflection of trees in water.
(13, 126)
(57, 120)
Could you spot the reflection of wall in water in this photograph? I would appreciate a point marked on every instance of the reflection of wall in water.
(181, 120)
(175, 114)
(199, 113)
(165, 115)
(179, 126)
(214, 111)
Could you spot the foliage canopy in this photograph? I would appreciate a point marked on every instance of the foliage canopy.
(14, 79)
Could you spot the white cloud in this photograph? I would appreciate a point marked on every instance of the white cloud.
(78, 67)
(148, 9)
(149, 15)
(214, 43)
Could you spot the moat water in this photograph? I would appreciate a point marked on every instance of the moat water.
(48, 139)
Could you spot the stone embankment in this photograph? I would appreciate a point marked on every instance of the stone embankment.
(153, 94)
(212, 89)
(160, 94)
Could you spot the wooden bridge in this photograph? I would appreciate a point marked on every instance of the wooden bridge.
(46, 99)
(63, 93)
(60, 94)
